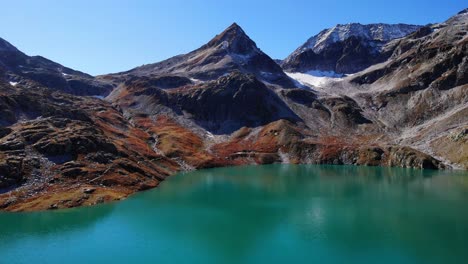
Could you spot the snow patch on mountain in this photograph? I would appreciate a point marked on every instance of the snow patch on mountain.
(224, 45)
(195, 81)
(317, 79)
(376, 32)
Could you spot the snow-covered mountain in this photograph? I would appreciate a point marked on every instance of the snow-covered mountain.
(345, 48)
(372, 32)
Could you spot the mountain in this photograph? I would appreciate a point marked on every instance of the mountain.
(227, 104)
(433, 56)
(345, 48)
(63, 150)
(59, 146)
(230, 50)
(423, 88)
(17, 67)
(220, 87)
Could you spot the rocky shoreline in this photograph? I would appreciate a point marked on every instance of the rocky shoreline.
(74, 183)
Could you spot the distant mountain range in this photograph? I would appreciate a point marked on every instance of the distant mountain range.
(376, 95)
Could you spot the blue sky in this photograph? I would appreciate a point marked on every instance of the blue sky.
(106, 36)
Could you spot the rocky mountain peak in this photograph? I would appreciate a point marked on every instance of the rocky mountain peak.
(228, 51)
(345, 48)
(232, 32)
(374, 32)
(235, 27)
(235, 40)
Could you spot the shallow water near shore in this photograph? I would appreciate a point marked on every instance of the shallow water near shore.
(259, 214)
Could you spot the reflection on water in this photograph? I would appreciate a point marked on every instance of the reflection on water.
(257, 214)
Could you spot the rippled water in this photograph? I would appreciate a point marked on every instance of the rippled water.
(259, 214)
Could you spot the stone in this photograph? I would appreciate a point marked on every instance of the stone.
(89, 190)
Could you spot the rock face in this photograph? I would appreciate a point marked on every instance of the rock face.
(18, 67)
(57, 143)
(345, 48)
(232, 50)
(425, 80)
(221, 106)
(424, 85)
(227, 103)
(435, 57)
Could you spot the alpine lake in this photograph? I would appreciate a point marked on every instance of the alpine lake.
(259, 214)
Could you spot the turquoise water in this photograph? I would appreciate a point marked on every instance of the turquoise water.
(259, 214)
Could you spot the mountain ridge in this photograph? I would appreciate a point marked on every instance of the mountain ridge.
(335, 48)
(17, 67)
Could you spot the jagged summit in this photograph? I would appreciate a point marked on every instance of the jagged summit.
(345, 48)
(235, 40)
(375, 32)
(234, 28)
(230, 33)
(228, 51)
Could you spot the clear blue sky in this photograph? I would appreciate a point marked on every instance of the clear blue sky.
(104, 36)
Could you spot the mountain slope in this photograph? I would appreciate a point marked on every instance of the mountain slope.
(345, 48)
(422, 90)
(16, 67)
(60, 150)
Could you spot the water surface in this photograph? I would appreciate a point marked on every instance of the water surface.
(259, 214)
